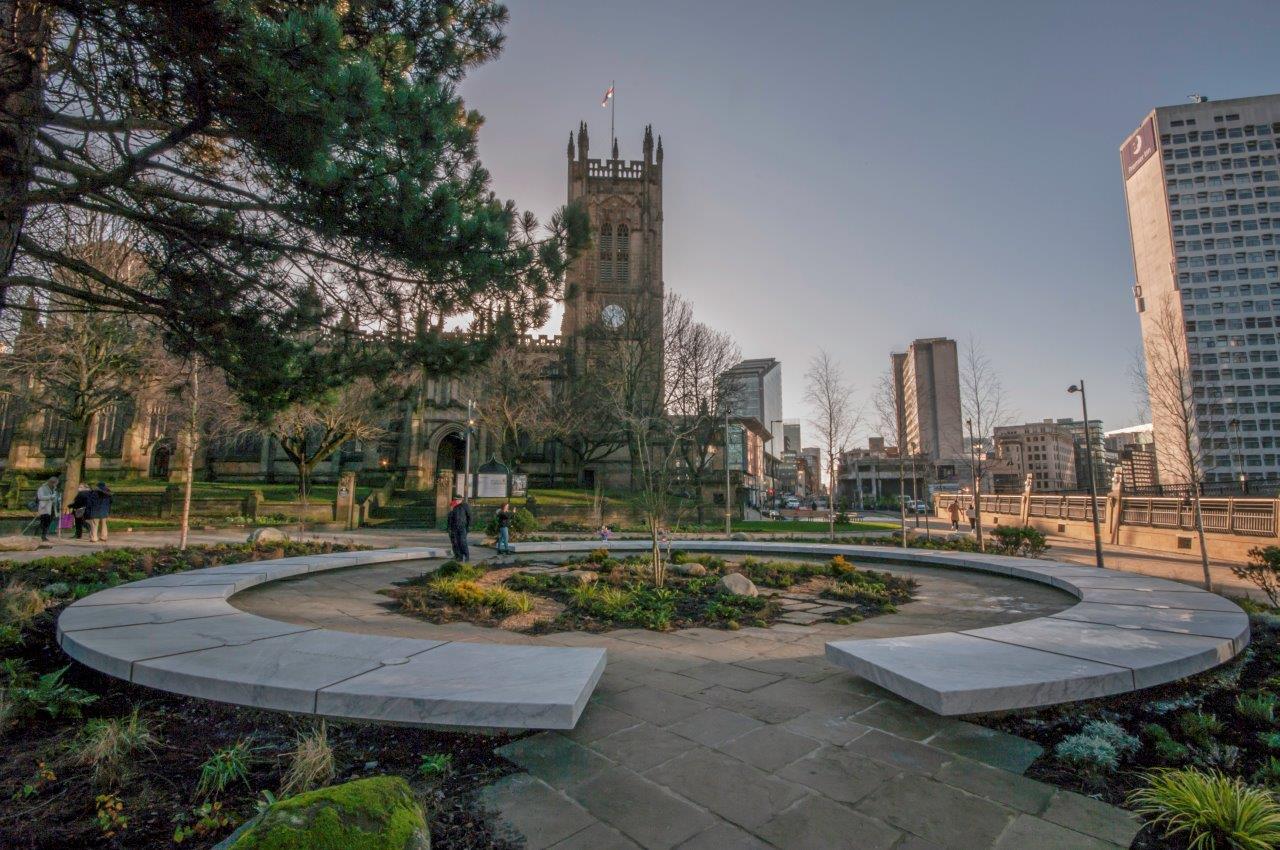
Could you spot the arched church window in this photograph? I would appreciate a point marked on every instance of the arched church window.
(606, 253)
(622, 255)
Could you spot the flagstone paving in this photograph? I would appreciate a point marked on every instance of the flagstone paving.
(716, 739)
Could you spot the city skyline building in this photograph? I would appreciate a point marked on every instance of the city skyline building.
(1202, 192)
(927, 396)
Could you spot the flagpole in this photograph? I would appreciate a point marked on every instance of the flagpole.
(613, 106)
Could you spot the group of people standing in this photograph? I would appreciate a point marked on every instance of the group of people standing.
(459, 524)
(89, 509)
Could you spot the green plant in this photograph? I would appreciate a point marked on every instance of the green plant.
(434, 765)
(225, 767)
(1262, 570)
(1019, 540)
(522, 522)
(1162, 744)
(1092, 756)
(38, 782)
(1209, 810)
(458, 570)
(1113, 734)
(208, 819)
(1270, 740)
(10, 636)
(110, 814)
(1259, 708)
(1200, 727)
(20, 603)
(50, 695)
(1268, 773)
(310, 762)
(108, 745)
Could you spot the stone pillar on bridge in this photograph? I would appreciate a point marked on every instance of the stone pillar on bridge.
(1024, 505)
(1115, 505)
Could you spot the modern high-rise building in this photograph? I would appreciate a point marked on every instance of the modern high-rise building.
(1044, 450)
(1202, 189)
(926, 381)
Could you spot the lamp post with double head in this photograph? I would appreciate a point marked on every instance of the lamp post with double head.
(728, 489)
(1093, 478)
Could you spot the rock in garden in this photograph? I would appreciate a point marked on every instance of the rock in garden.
(18, 543)
(736, 584)
(267, 535)
(689, 569)
(738, 535)
(378, 812)
(581, 576)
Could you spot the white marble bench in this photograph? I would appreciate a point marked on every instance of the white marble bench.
(1127, 632)
(178, 633)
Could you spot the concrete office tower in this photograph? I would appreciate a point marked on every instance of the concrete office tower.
(1202, 189)
(927, 393)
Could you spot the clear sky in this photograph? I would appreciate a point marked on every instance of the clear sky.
(854, 175)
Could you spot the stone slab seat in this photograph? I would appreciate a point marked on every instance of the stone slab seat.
(179, 634)
(1128, 632)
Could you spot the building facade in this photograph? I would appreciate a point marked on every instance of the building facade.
(1044, 450)
(606, 288)
(1202, 191)
(1103, 459)
(927, 395)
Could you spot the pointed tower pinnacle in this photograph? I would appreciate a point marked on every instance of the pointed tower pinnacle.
(571, 146)
(659, 150)
(582, 140)
(615, 148)
(648, 143)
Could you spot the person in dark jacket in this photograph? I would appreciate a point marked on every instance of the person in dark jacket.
(79, 508)
(459, 524)
(99, 510)
(504, 528)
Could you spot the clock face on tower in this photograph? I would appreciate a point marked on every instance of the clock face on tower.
(613, 315)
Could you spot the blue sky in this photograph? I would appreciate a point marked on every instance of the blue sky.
(857, 175)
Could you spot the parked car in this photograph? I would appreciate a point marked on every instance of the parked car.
(792, 504)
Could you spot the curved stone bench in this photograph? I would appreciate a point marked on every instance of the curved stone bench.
(1127, 632)
(178, 633)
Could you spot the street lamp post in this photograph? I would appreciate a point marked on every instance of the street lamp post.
(1234, 424)
(466, 455)
(1093, 478)
(728, 492)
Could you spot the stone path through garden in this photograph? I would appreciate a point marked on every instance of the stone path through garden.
(705, 738)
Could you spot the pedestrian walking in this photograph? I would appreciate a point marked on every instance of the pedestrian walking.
(79, 508)
(459, 524)
(954, 513)
(504, 529)
(99, 510)
(46, 505)
(973, 519)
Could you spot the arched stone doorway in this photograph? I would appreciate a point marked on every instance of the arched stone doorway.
(161, 456)
(451, 453)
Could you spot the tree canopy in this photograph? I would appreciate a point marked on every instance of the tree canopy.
(301, 179)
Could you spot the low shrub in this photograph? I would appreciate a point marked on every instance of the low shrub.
(310, 762)
(110, 745)
(1091, 755)
(469, 594)
(1023, 541)
(1200, 727)
(1124, 743)
(21, 603)
(1166, 749)
(522, 522)
(1209, 810)
(459, 570)
(1258, 709)
(435, 765)
(1263, 571)
(46, 695)
(780, 574)
(1268, 774)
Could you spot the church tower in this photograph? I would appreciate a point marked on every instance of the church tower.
(620, 276)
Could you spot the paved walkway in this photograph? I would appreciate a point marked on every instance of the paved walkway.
(714, 739)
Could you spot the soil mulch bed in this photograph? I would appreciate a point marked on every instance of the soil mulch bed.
(61, 813)
(1237, 747)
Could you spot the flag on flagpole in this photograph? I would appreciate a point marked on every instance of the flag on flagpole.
(608, 95)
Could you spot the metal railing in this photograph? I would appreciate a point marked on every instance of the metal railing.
(1250, 517)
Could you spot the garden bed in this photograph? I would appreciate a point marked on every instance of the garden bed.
(197, 768)
(597, 592)
(1226, 721)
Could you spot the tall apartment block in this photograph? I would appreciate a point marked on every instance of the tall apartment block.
(927, 393)
(1202, 189)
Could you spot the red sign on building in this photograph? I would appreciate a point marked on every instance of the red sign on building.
(1138, 148)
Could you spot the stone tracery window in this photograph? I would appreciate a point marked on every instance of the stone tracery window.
(622, 255)
(606, 253)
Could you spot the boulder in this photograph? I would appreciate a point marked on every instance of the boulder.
(378, 813)
(581, 576)
(690, 569)
(267, 534)
(18, 543)
(738, 535)
(736, 584)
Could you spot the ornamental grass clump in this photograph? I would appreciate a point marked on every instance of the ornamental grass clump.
(311, 762)
(1258, 709)
(109, 746)
(1200, 727)
(1209, 810)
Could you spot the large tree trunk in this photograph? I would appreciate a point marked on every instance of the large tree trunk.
(77, 449)
(24, 34)
(192, 438)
